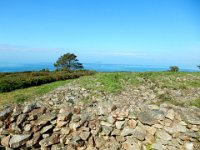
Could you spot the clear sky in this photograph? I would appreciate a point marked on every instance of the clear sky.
(144, 32)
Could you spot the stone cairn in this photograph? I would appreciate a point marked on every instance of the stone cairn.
(99, 127)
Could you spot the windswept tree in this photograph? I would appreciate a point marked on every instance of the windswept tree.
(198, 66)
(68, 61)
(174, 69)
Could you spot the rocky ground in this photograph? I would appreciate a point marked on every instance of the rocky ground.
(75, 117)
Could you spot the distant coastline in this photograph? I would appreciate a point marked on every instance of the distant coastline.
(91, 66)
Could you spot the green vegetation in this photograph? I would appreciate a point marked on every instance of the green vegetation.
(12, 81)
(109, 82)
(68, 62)
(174, 69)
(114, 83)
(195, 102)
(30, 93)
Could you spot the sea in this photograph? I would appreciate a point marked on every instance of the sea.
(91, 66)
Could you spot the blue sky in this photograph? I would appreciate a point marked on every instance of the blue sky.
(144, 32)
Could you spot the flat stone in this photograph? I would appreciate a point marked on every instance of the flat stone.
(5, 141)
(106, 130)
(153, 107)
(46, 128)
(27, 127)
(6, 112)
(150, 129)
(170, 114)
(149, 138)
(110, 119)
(29, 107)
(84, 118)
(60, 123)
(113, 144)
(44, 119)
(170, 130)
(130, 146)
(116, 132)
(21, 118)
(181, 128)
(65, 130)
(150, 117)
(18, 140)
(120, 138)
(54, 139)
(119, 124)
(157, 146)
(34, 140)
(139, 133)
(103, 123)
(163, 135)
(127, 131)
(84, 135)
(192, 118)
(64, 116)
(99, 142)
(189, 146)
(132, 123)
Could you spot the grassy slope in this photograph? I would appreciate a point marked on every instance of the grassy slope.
(22, 95)
(110, 82)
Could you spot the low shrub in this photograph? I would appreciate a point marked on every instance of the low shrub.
(18, 80)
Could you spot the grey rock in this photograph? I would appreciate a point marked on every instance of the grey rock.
(5, 141)
(34, 140)
(29, 107)
(116, 132)
(54, 139)
(27, 127)
(18, 140)
(119, 124)
(150, 117)
(21, 118)
(44, 119)
(139, 133)
(158, 146)
(5, 113)
(64, 116)
(46, 128)
(106, 130)
(170, 114)
(189, 146)
(84, 135)
(127, 131)
(65, 130)
(103, 123)
(163, 135)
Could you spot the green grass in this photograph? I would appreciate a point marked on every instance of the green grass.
(112, 83)
(195, 102)
(108, 82)
(21, 95)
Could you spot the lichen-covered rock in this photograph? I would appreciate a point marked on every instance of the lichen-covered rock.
(18, 140)
(61, 120)
(4, 113)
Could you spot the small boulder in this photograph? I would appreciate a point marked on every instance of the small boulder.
(18, 140)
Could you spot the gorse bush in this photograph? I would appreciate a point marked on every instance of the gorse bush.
(12, 81)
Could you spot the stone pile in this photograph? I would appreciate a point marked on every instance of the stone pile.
(100, 127)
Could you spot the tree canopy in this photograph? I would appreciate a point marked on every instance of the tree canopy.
(174, 68)
(68, 61)
(198, 66)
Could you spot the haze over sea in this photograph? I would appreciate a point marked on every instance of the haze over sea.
(91, 66)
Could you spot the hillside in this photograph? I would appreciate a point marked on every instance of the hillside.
(154, 110)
